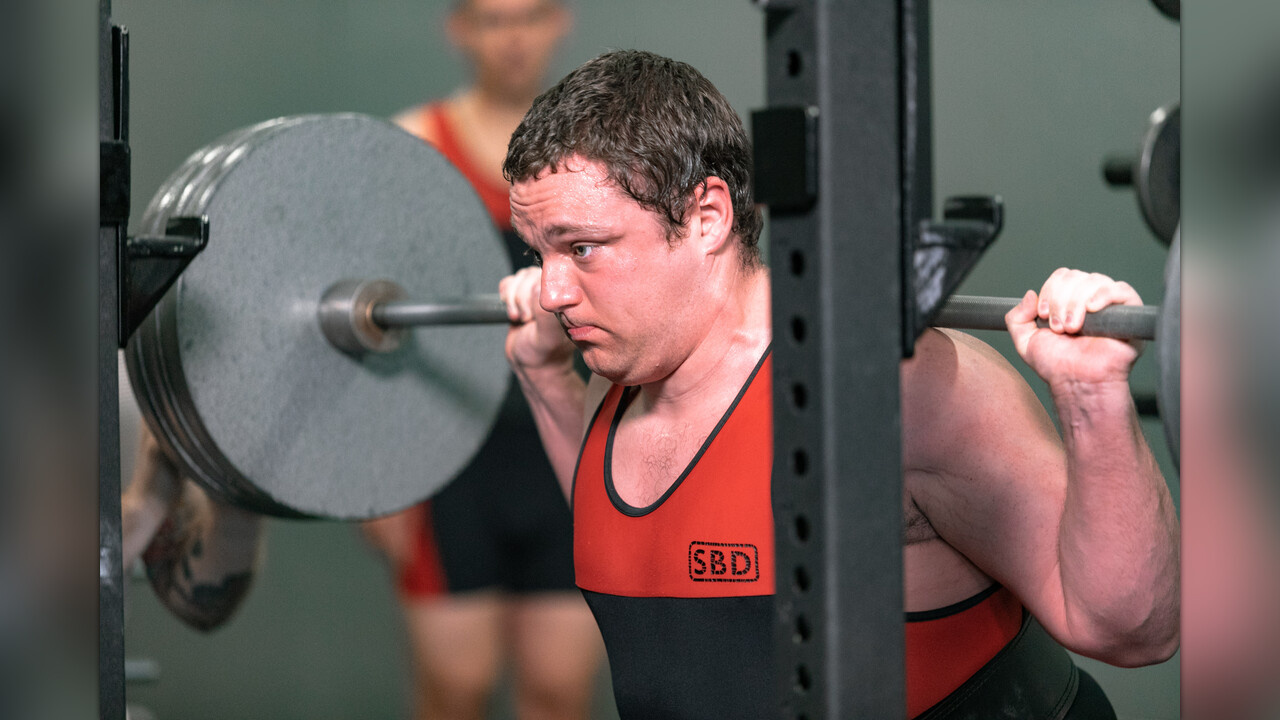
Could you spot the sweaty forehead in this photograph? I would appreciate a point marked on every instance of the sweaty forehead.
(576, 194)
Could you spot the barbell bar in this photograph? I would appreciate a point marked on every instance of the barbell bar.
(978, 312)
(361, 316)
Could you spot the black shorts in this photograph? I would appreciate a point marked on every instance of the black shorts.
(503, 523)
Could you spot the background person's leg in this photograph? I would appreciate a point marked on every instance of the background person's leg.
(556, 649)
(457, 654)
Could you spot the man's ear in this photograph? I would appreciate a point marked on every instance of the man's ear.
(713, 211)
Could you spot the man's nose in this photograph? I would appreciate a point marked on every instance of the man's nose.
(559, 287)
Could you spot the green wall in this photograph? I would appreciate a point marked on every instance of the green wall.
(1029, 97)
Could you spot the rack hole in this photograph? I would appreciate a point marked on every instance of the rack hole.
(802, 528)
(800, 462)
(802, 580)
(799, 395)
(803, 629)
(798, 328)
(797, 263)
(795, 64)
(803, 680)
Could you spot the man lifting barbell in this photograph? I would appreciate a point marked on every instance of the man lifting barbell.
(631, 184)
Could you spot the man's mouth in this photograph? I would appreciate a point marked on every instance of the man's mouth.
(576, 333)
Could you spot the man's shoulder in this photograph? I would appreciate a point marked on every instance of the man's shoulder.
(951, 388)
(947, 358)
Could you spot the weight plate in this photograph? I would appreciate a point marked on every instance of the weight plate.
(1169, 346)
(152, 394)
(1171, 9)
(1158, 175)
(239, 381)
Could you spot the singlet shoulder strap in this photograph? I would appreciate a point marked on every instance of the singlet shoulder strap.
(494, 196)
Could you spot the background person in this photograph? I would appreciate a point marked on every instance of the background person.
(484, 569)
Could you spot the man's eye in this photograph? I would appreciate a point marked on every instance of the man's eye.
(583, 251)
(537, 256)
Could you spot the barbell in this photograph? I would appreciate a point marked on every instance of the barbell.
(235, 370)
(362, 316)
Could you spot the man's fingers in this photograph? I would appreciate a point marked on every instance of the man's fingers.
(1113, 293)
(1069, 295)
(506, 295)
(1075, 291)
(519, 292)
(1021, 321)
(1044, 307)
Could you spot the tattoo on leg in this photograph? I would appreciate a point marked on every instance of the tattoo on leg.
(173, 562)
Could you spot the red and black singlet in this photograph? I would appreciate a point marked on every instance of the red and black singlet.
(683, 589)
(946, 647)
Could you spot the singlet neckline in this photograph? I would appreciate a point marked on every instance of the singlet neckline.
(628, 395)
(954, 608)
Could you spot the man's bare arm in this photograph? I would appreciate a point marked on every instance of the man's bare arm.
(1119, 538)
(1082, 530)
(557, 398)
(542, 359)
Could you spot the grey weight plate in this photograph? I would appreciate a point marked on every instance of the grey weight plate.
(151, 396)
(178, 183)
(188, 429)
(1169, 346)
(145, 366)
(265, 412)
(1158, 174)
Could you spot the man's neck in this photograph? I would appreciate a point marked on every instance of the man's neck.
(738, 336)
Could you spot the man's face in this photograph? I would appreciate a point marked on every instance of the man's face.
(626, 295)
(510, 42)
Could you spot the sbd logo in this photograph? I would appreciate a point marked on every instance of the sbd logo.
(723, 562)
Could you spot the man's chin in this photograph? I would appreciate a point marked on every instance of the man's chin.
(598, 364)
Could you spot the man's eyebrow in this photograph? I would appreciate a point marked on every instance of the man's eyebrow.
(561, 229)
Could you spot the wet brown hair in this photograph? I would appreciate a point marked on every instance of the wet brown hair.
(658, 127)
